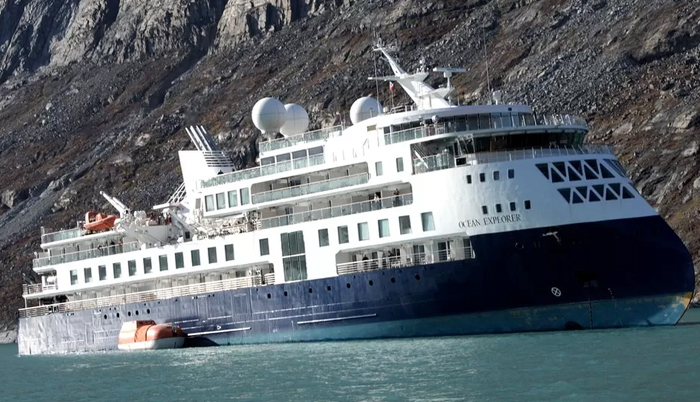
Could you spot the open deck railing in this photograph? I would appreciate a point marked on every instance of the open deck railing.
(150, 295)
(340, 210)
(85, 254)
(311, 136)
(61, 235)
(455, 254)
(311, 188)
(264, 170)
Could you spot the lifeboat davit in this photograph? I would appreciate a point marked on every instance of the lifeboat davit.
(96, 221)
(146, 335)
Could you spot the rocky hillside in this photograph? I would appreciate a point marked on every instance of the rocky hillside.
(95, 94)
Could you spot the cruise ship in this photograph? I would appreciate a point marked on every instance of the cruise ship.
(429, 219)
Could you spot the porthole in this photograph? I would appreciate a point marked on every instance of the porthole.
(328, 288)
(117, 315)
(417, 277)
(137, 312)
(269, 296)
(285, 293)
(311, 290)
(105, 316)
(348, 286)
(371, 283)
(129, 313)
(393, 280)
(148, 311)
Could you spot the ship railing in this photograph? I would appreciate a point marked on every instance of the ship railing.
(265, 170)
(61, 235)
(151, 295)
(387, 262)
(446, 161)
(336, 211)
(37, 288)
(310, 136)
(86, 254)
(488, 122)
(311, 188)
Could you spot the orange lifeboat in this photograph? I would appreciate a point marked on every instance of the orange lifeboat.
(146, 335)
(96, 221)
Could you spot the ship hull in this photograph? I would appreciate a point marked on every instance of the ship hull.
(624, 273)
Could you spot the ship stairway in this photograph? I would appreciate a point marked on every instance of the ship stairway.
(205, 143)
(178, 195)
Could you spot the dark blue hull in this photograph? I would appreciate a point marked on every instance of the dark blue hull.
(633, 272)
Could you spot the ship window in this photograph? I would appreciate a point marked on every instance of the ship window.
(600, 189)
(605, 172)
(419, 253)
(583, 191)
(292, 243)
(147, 267)
(384, 228)
(469, 179)
(194, 255)
(444, 252)
(163, 262)
(88, 274)
(399, 164)
(527, 204)
(73, 276)
(616, 188)
(496, 175)
(577, 167)
(511, 173)
(484, 210)
(378, 167)
(117, 270)
(264, 247)
(363, 231)
(544, 169)
(343, 237)
(468, 250)
(566, 193)
(323, 239)
(315, 151)
(610, 195)
(179, 261)
(211, 254)
(512, 206)
(228, 250)
(592, 164)
(209, 203)
(245, 196)
(132, 267)
(593, 196)
(220, 201)
(482, 177)
(232, 199)
(626, 193)
(267, 161)
(283, 158)
(573, 176)
(405, 225)
(498, 208)
(427, 221)
(294, 261)
(577, 198)
(102, 272)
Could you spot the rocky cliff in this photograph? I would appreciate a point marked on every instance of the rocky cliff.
(94, 94)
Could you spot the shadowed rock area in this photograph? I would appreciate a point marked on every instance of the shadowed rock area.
(95, 94)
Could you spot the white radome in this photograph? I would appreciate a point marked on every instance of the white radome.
(269, 115)
(297, 120)
(364, 108)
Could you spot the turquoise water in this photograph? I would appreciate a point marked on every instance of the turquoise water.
(651, 364)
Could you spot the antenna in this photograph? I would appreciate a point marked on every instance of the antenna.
(486, 56)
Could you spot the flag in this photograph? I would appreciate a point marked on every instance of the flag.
(391, 86)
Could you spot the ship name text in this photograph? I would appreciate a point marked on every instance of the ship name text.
(473, 223)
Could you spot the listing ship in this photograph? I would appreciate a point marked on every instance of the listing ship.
(426, 220)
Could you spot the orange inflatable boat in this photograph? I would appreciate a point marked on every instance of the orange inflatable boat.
(146, 334)
(96, 221)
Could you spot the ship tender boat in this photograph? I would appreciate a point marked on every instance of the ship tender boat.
(147, 335)
(431, 219)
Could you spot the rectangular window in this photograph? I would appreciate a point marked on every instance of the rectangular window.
(147, 267)
(399, 164)
(132, 267)
(484, 210)
(220, 201)
(496, 175)
(209, 203)
(228, 250)
(102, 272)
(117, 270)
(232, 199)
(88, 274)
(212, 255)
(512, 206)
(363, 231)
(343, 237)
(264, 247)
(323, 239)
(73, 276)
(511, 173)
(163, 262)
(245, 196)
(482, 177)
(405, 224)
(294, 260)
(194, 254)
(378, 167)
(469, 179)
(294, 268)
(292, 243)
(427, 221)
(498, 208)
(527, 204)
(384, 228)
(179, 261)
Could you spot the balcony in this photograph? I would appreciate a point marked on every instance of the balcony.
(311, 136)
(334, 212)
(61, 235)
(85, 254)
(311, 188)
(463, 253)
(264, 170)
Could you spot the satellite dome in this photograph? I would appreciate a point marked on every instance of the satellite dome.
(364, 108)
(297, 120)
(269, 115)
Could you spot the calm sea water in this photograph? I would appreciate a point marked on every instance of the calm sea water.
(651, 364)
